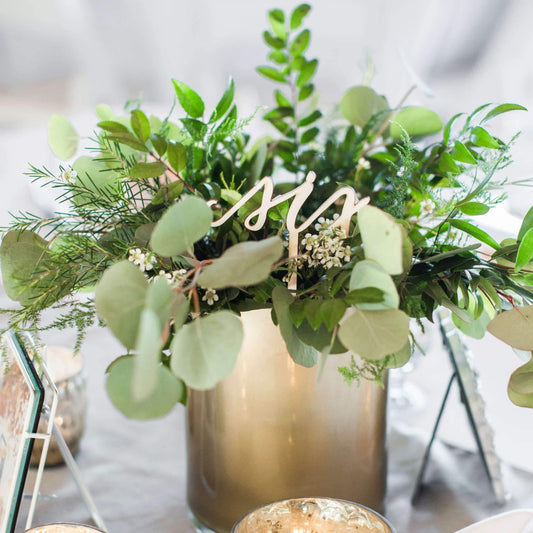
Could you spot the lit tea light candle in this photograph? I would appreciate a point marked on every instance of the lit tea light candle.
(312, 515)
(63, 528)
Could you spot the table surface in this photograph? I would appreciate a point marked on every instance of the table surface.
(136, 470)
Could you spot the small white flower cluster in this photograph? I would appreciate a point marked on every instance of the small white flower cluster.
(210, 296)
(363, 163)
(172, 277)
(427, 207)
(68, 175)
(142, 260)
(326, 248)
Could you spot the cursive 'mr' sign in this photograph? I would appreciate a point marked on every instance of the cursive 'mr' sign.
(300, 194)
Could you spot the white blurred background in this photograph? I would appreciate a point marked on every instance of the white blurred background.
(66, 56)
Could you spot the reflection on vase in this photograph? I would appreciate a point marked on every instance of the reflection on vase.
(271, 432)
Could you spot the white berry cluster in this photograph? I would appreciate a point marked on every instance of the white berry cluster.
(327, 247)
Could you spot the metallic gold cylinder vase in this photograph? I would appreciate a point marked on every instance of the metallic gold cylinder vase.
(271, 431)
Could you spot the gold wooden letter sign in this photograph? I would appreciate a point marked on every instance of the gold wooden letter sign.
(300, 194)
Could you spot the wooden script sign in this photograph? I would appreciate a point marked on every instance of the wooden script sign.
(300, 194)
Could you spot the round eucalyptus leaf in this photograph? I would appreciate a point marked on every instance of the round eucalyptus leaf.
(181, 226)
(375, 334)
(160, 299)
(360, 103)
(205, 351)
(478, 326)
(120, 298)
(399, 358)
(382, 238)
(368, 273)
(416, 122)
(520, 387)
(242, 265)
(62, 137)
(514, 327)
(168, 391)
(92, 175)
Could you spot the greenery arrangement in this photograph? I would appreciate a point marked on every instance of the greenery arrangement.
(136, 226)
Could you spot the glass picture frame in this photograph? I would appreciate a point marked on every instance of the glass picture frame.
(21, 402)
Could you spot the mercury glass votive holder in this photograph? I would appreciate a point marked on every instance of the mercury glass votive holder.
(312, 515)
(66, 370)
(63, 528)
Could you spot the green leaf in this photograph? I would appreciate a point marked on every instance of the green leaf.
(140, 125)
(196, 128)
(62, 137)
(309, 119)
(461, 153)
(281, 99)
(309, 135)
(375, 334)
(168, 193)
(23, 255)
(297, 311)
(366, 274)
(319, 339)
(416, 122)
(305, 92)
(182, 311)
(241, 265)
(141, 171)
(278, 57)
(382, 238)
(520, 388)
(225, 102)
(128, 139)
(159, 143)
(177, 156)
(366, 295)
(473, 208)
(306, 73)
(475, 232)
(271, 73)
(120, 298)
(477, 327)
(525, 251)
(448, 127)
(160, 299)
(112, 126)
(273, 42)
(313, 313)
(147, 362)
(503, 108)
(181, 226)
(526, 225)
(189, 100)
(447, 164)
(332, 311)
(205, 351)
(514, 327)
(168, 391)
(481, 137)
(277, 23)
(300, 43)
(360, 103)
(298, 15)
(301, 353)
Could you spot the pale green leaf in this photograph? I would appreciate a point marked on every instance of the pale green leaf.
(177, 156)
(514, 327)
(160, 299)
(62, 137)
(93, 175)
(360, 103)
(140, 125)
(367, 274)
(120, 298)
(502, 108)
(520, 387)
(399, 358)
(205, 351)
(181, 226)
(382, 238)
(301, 353)
(416, 122)
(527, 224)
(148, 358)
(104, 112)
(242, 265)
(141, 171)
(375, 334)
(473, 208)
(168, 391)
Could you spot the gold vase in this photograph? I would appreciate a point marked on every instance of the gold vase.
(271, 431)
